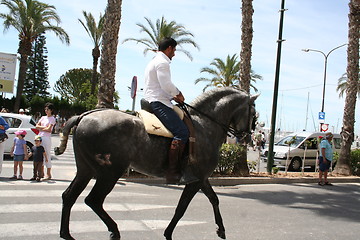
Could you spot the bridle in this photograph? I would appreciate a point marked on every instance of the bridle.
(241, 135)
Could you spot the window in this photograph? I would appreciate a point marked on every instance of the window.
(13, 122)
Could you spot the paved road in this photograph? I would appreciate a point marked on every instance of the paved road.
(31, 210)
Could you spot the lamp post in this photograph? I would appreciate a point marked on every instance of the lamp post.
(325, 67)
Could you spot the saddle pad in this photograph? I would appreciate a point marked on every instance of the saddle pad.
(154, 126)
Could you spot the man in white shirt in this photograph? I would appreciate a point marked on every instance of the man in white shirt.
(159, 91)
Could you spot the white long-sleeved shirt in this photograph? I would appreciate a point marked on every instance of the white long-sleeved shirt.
(158, 85)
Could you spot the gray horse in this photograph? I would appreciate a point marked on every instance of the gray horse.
(107, 142)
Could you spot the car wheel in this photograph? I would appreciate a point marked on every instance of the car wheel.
(29, 145)
(296, 164)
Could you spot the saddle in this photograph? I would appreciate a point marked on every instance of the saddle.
(154, 126)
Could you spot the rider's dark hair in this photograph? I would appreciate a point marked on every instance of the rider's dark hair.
(166, 42)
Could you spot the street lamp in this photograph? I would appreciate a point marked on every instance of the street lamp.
(326, 57)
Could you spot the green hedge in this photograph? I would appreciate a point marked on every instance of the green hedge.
(355, 161)
(229, 156)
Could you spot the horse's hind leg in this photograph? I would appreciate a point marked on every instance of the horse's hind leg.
(187, 195)
(214, 200)
(69, 197)
(105, 182)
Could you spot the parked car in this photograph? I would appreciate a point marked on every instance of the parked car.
(296, 150)
(17, 122)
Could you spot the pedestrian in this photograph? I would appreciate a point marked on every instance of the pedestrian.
(258, 138)
(19, 153)
(45, 126)
(21, 111)
(325, 158)
(3, 137)
(263, 140)
(39, 154)
(159, 91)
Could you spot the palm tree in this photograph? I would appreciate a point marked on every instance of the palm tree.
(347, 132)
(95, 33)
(161, 30)
(225, 74)
(246, 44)
(108, 56)
(30, 18)
(343, 84)
(245, 69)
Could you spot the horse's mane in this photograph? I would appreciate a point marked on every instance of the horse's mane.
(210, 98)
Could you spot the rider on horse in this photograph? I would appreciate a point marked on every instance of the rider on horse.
(159, 91)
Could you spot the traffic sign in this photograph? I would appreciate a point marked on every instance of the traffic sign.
(324, 127)
(321, 117)
(133, 87)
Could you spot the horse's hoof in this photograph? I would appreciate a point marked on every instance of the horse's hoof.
(66, 236)
(221, 234)
(115, 236)
(167, 236)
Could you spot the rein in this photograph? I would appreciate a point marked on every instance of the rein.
(240, 135)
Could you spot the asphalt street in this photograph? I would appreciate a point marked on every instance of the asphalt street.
(31, 210)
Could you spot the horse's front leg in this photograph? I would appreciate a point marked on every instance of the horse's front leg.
(214, 200)
(187, 195)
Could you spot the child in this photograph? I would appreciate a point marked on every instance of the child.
(19, 152)
(39, 154)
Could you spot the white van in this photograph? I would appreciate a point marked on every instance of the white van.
(297, 149)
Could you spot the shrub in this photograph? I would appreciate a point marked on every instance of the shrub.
(355, 161)
(229, 156)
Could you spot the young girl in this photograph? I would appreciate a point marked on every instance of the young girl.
(19, 152)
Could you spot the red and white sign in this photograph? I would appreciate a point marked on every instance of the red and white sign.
(324, 127)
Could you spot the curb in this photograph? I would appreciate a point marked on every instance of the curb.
(233, 181)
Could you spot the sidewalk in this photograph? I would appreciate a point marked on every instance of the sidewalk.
(232, 181)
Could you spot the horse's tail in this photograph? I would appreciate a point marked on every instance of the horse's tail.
(65, 134)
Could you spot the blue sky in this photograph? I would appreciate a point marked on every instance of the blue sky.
(315, 24)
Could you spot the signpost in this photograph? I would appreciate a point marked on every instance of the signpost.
(133, 91)
(7, 72)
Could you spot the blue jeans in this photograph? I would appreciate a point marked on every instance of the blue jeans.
(171, 121)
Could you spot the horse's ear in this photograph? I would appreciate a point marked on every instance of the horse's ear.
(254, 97)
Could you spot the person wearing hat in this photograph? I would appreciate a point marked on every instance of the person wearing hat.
(39, 154)
(325, 158)
(21, 111)
(19, 153)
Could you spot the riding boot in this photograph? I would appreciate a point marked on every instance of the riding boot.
(173, 174)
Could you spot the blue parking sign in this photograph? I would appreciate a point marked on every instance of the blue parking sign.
(321, 115)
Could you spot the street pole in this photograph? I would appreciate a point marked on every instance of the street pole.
(325, 68)
(270, 157)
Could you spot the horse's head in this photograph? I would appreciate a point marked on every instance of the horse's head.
(244, 119)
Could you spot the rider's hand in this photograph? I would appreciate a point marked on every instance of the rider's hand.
(179, 98)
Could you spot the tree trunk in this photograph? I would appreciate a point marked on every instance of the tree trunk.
(245, 66)
(96, 55)
(108, 54)
(246, 44)
(24, 51)
(347, 132)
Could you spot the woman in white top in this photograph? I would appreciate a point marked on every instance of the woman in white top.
(45, 125)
